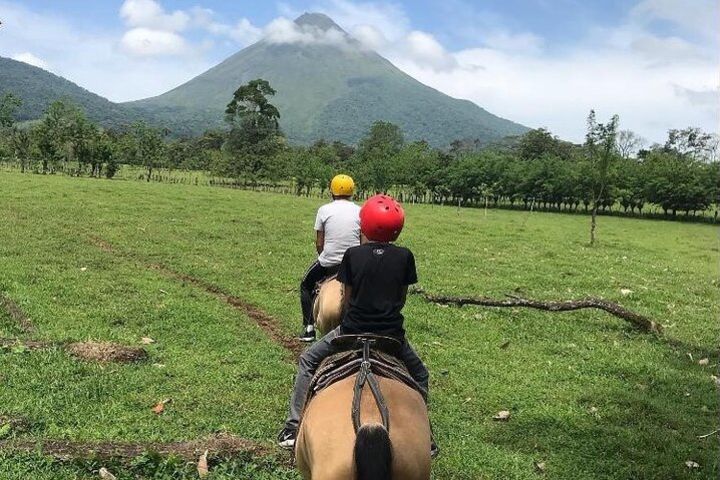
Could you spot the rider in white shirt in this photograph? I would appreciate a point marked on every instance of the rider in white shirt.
(337, 228)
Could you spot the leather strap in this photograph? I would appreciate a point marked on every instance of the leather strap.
(366, 375)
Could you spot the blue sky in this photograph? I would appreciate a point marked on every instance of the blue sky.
(538, 62)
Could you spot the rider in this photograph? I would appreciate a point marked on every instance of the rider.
(375, 275)
(337, 228)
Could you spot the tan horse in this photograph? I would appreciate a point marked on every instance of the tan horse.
(327, 308)
(327, 447)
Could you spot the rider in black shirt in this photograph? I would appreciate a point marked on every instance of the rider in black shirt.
(375, 275)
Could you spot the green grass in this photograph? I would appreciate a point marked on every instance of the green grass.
(589, 396)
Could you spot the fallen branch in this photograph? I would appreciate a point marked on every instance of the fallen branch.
(637, 320)
(708, 434)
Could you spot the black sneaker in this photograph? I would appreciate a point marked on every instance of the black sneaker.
(308, 334)
(434, 449)
(286, 438)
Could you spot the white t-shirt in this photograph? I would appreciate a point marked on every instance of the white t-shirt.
(340, 220)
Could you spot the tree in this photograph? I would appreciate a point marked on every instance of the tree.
(628, 143)
(254, 134)
(9, 104)
(372, 163)
(690, 141)
(600, 143)
(21, 144)
(631, 184)
(536, 143)
(713, 149)
(677, 182)
(62, 134)
(144, 145)
(416, 167)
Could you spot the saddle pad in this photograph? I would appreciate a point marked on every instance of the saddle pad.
(344, 364)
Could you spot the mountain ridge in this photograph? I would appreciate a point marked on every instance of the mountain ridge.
(38, 88)
(334, 92)
(328, 87)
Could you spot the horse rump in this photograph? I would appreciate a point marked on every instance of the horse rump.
(373, 453)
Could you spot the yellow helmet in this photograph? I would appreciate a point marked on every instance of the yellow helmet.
(342, 186)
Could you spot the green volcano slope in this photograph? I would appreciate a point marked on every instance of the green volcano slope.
(38, 88)
(330, 91)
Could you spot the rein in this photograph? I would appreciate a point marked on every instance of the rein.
(366, 375)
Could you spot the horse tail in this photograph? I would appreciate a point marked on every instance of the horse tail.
(373, 453)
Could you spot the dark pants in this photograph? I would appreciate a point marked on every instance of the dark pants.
(314, 274)
(312, 357)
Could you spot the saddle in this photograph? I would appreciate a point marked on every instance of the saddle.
(369, 356)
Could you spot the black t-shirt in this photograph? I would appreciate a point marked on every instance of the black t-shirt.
(378, 274)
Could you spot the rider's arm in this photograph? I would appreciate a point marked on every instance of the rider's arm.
(319, 240)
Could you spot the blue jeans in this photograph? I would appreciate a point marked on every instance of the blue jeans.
(311, 359)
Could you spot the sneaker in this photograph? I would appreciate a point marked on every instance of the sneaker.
(286, 438)
(434, 449)
(308, 334)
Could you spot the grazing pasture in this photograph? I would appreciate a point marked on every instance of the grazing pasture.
(205, 281)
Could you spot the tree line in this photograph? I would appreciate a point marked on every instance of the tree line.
(613, 170)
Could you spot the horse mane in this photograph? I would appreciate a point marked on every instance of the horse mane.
(373, 453)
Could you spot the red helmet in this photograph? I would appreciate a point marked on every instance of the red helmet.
(381, 218)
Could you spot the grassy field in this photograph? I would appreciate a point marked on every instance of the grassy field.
(590, 397)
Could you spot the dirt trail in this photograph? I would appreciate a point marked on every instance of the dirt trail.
(216, 445)
(16, 313)
(264, 320)
(93, 351)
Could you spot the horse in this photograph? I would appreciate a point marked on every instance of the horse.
(328, 304)
(328, 447)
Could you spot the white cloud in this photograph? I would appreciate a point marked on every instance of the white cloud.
(148, 42)
(93, 59)
(695, 16)
(369, 36)
(387, 18)
(282, 30)
(245, 33)
(30, 59)
(150, 14)
(665, 49)
(654, 82)
(558, 93)
(423, 49)
(524, 42)
(704, 97)
(156, 32)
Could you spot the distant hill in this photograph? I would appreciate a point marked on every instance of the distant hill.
(39, 88)
(331, 92)
(324, 92)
